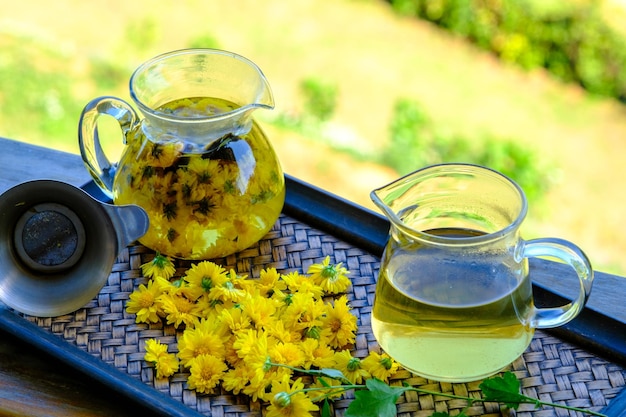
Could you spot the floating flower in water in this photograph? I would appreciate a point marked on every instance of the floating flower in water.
(203, 203)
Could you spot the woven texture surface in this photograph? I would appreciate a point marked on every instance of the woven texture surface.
(550, 369)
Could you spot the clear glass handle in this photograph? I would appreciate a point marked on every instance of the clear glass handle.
(573, 256)
(97, 163)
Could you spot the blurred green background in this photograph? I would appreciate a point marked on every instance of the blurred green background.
(367, 90)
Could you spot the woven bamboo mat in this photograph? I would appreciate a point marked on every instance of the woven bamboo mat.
(550, 369)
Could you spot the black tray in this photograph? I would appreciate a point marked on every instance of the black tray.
(363, 228)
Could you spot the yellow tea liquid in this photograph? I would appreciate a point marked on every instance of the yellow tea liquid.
(452, 318)
(203, 202)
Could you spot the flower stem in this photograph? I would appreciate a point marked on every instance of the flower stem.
(347, 385)
(564, 407)
(525, 400)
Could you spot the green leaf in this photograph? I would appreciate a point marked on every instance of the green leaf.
(326, 409)
(330, 373)
(378, 400)
(441, 414)
(505, 389)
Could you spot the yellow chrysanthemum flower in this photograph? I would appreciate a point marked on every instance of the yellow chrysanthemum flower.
(178, 310)
(308, 346)
(206, 170)
(196, 342)
(297, 282)
(332, 278)
(288, 400)
(269, 281)
(235, 319)
(287, 354)
(226, 292)
(350, 366)
(313, 315)
(237, 378)
(165, 364)
(205, 275)
(160, 265)
(164, 154)
(321, 355)
(214, 325)
(231, 355)
(154, 349)
(182, 289)
(380, 366)
(209, 310)
(340, 325)
(206, 372)
(143, 303)
(281, 333)
(260, 310)
(257, 387)
(303, 312)
(252, 346)
(241, 280)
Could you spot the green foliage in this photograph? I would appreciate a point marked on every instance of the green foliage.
(416, 142)
(319, 103)
(569, 39)
(378, 399)
(143, 33)
(108, 74)
(204, 41)
(35, 93)
(505, 389)
(320, 98)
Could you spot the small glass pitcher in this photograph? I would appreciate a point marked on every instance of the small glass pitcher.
(454, 299)
(198, 163)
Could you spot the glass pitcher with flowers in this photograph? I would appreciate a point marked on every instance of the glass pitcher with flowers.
(197, 162)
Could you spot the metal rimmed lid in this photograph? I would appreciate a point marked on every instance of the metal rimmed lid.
(49, 237)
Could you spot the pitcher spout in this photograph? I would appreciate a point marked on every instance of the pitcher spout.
(450, 197)
(264, 99)
(255, 92)
(394, 199)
